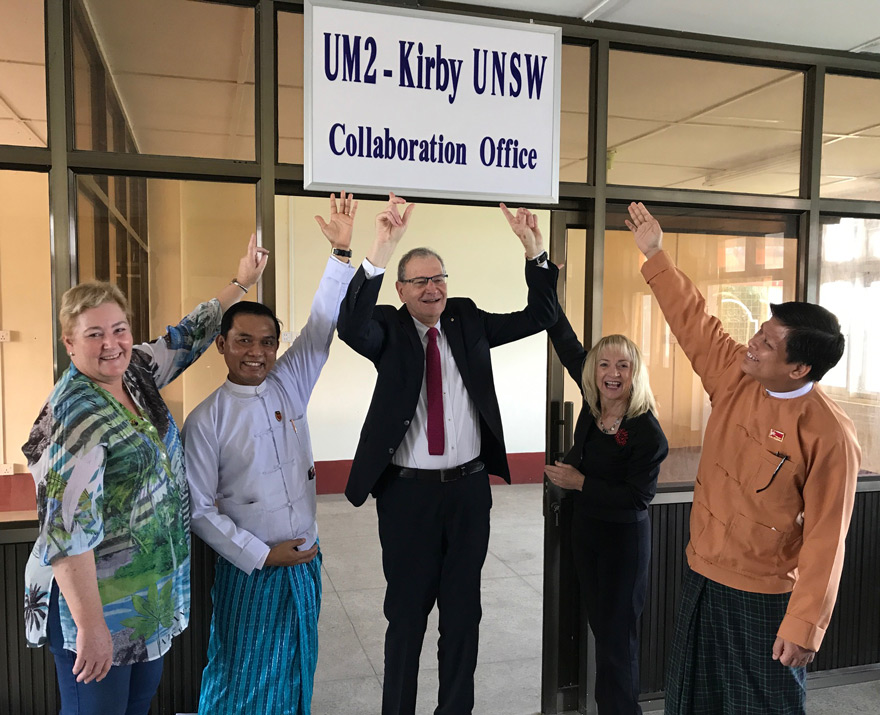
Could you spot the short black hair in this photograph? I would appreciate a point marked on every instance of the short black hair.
(247, 307)
(813, 336)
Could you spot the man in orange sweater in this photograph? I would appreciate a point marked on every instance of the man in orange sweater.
(773, 498)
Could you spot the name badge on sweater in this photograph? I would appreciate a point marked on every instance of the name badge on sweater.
(777, 435)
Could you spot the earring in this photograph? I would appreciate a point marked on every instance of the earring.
(71, 354)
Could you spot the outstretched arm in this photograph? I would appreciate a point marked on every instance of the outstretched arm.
(701, 335)
(301, 365)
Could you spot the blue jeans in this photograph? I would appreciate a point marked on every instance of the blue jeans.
(126, 690)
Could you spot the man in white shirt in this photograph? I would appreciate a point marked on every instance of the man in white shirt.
(252, 485)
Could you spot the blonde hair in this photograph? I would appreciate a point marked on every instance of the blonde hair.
(85, 296)
(641, 398)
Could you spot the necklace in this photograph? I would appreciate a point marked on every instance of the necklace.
(612, 429)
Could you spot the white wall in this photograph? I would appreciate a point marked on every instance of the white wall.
(484, 261)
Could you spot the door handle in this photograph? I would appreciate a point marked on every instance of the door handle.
(561, 439)
(562, 432)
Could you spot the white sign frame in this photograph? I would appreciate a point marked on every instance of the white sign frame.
(335, 179)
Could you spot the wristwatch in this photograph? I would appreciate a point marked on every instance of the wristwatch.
(538, 260)
(342, 252)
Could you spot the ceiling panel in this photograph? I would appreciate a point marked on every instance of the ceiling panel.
(12, 132)
(23, 87)
(204, 40)
(21, 32)
(851, 105)
(644, 86)
(181, 143)
(763, 182)
(778, 106)
(573, 134)
(575, 91)
(643, 174)
(713, 148)
(853, 156)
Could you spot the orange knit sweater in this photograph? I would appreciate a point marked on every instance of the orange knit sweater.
(789, 536)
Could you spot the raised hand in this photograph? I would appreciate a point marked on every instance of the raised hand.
(252, 264)
(390, 227)
(525, 225)
(645, 228)
(338, 229)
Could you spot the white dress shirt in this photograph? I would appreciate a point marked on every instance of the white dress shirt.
(248, 452)
(460, 414)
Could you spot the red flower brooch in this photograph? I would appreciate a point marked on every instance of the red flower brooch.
(621, 437)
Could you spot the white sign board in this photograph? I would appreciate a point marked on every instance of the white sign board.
(429, 104)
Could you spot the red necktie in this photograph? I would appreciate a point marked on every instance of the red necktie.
(434, 383)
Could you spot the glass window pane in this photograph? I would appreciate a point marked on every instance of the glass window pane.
(851, 138)
(695, 124)
(574, 113)
(22, 73)
(182, 88)
(173, 245)
(575, 303)
(726, 255)
(849, 275)
(300, 255)
(290, 88)
(25, 311)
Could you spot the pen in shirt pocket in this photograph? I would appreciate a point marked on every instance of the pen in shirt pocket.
(294, 425)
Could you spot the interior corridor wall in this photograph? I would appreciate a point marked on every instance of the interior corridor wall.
(25, 309)
(198, 232)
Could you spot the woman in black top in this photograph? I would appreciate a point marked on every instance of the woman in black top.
(612, 469)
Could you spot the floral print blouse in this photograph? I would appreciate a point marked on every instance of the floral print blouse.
(114, 482)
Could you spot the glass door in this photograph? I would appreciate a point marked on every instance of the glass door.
(563, 647)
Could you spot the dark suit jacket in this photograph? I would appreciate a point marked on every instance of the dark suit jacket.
(387, 336)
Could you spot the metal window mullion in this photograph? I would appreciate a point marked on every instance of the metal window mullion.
(62, 184)
(266, 133)
(809, 247)
(597, 175)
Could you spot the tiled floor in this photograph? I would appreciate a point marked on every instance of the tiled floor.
(352, 627)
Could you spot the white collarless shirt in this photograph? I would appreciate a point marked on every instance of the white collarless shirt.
(248, 451)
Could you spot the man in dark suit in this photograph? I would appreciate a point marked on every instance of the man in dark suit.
(431, 438)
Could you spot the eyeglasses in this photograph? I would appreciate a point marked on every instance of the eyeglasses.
(422, 281)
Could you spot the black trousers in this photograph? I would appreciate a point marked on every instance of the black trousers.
(434, 541)
(612, 560)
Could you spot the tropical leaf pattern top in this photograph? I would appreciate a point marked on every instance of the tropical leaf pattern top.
(113, 482)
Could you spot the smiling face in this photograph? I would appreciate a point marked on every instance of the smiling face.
(100, 344)
(249, 348)
(424, 304)
(766, 359)
(613, 375)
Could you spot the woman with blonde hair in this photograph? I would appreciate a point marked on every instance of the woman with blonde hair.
(107, 583)
(612, 471)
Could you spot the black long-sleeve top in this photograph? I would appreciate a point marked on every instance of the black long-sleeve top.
(620, 470)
